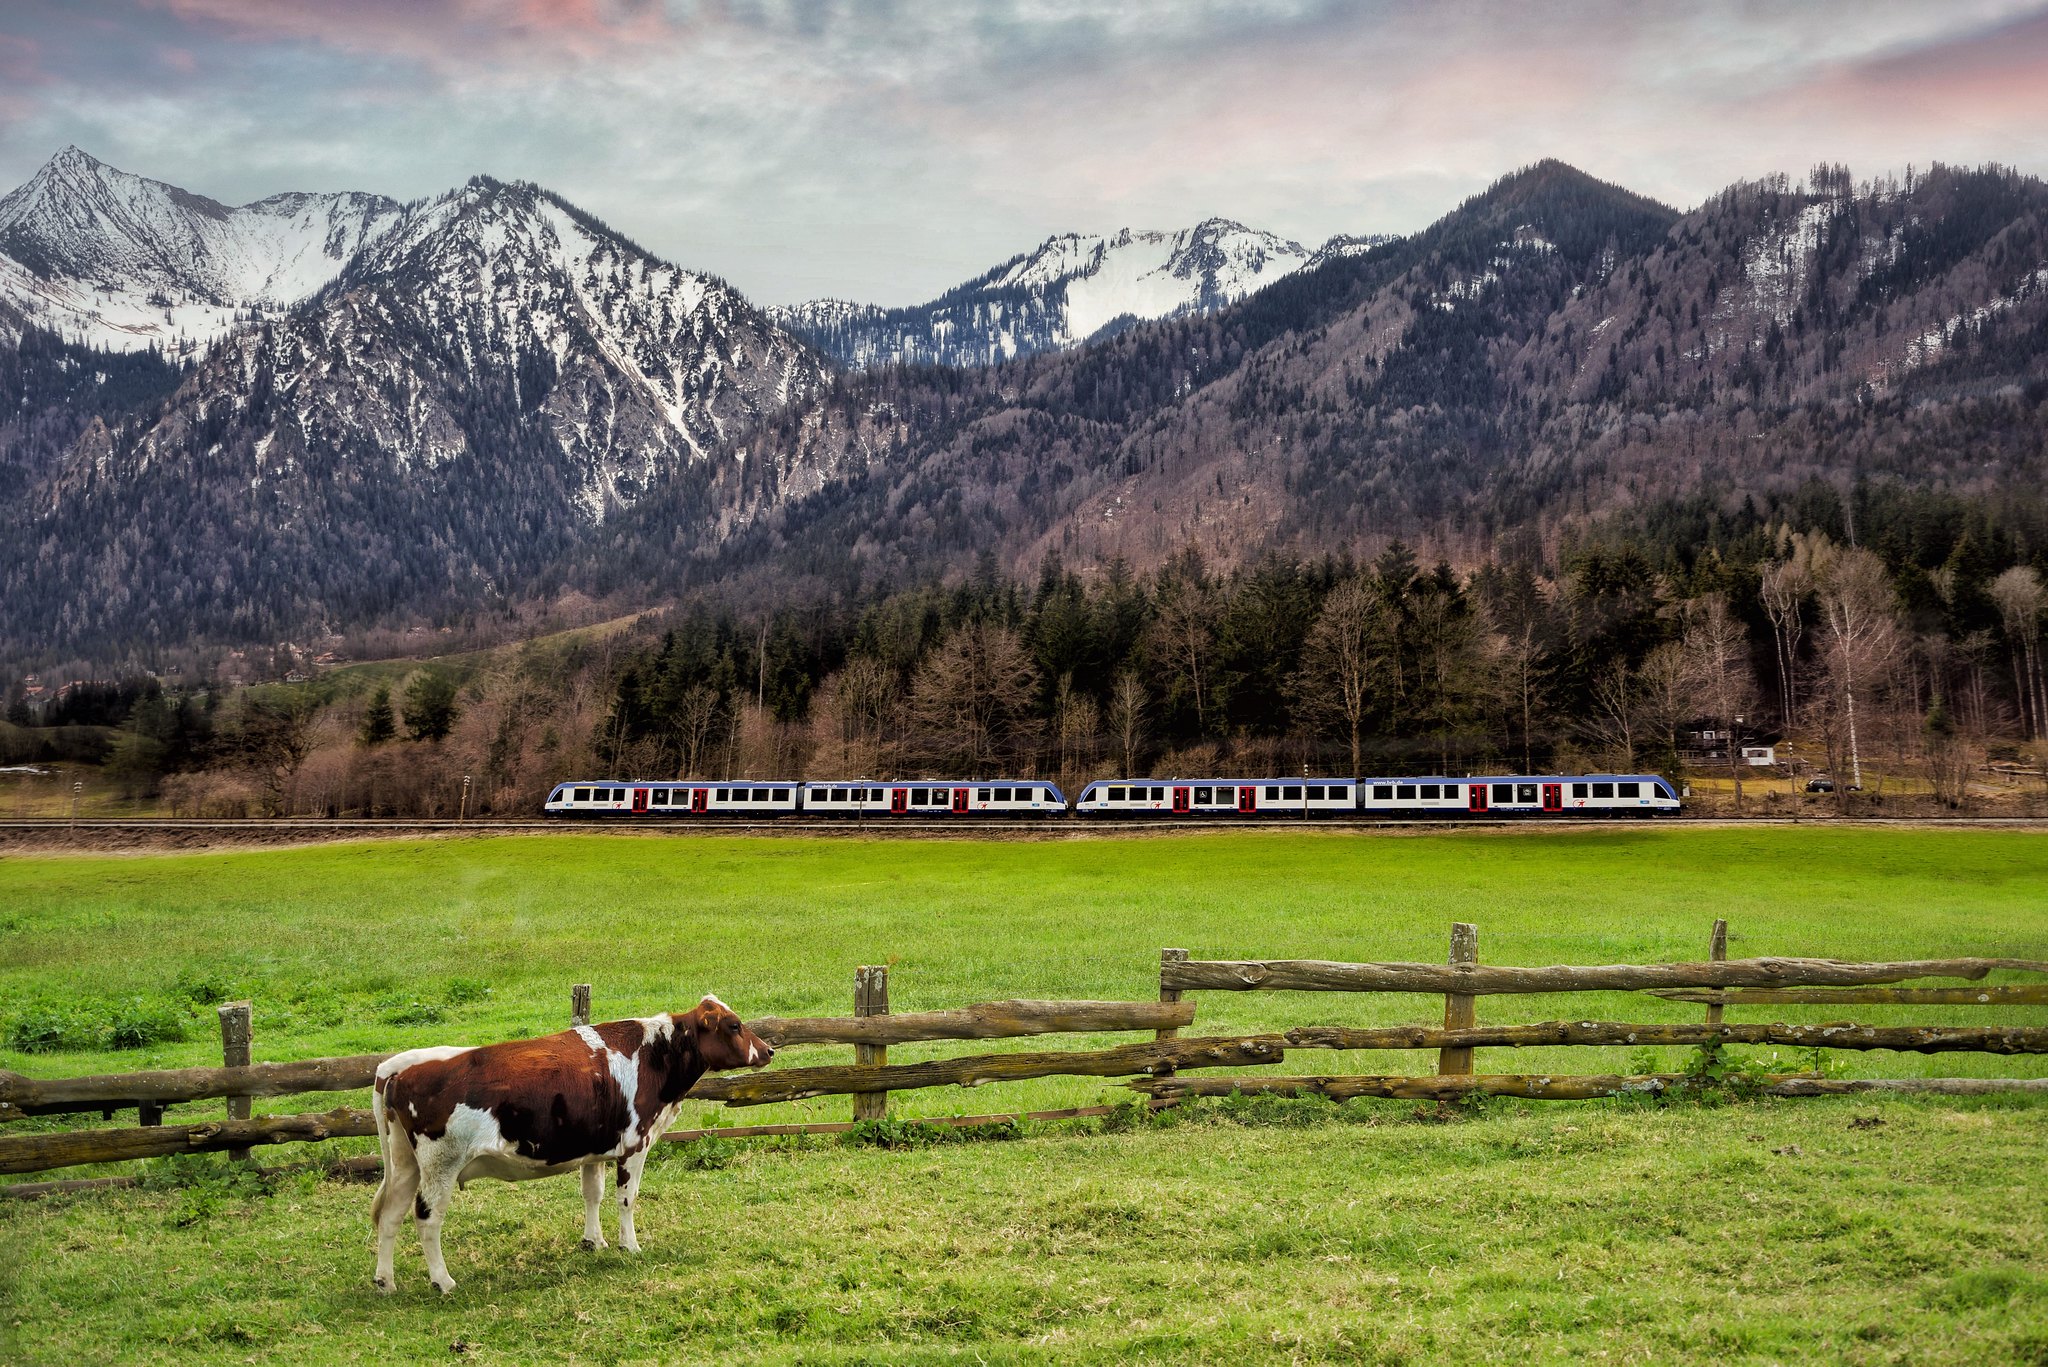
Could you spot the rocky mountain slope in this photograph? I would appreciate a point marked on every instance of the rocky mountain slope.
(1071, 289)
(1554, 354)
(489, 377)
(123, 263)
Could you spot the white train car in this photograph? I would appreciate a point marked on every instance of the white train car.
(1518, 795)
(685, 800)
(1215, 797)
(934, 798)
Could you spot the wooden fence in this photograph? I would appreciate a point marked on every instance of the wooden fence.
(1155, 1065)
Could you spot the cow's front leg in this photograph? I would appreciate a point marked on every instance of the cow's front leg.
(629, 1197)
(593, 1197)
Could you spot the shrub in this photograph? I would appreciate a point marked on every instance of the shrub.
(463, 991)
(43, 1030)
(139, 1023)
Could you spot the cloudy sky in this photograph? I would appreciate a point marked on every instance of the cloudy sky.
(883, 149)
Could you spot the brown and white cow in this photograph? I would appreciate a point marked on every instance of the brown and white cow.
(538, 1107)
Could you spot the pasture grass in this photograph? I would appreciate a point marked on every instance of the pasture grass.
(1282, 1232)
(1765, 1231)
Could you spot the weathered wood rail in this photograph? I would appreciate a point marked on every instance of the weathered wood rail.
(1479, 980)
(1573, 1087)
(1152, 1066)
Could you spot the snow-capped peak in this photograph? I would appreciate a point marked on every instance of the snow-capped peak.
(1067, 290)
(121, 261)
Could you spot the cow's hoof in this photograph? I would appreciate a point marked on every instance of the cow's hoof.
(593, 1245)
(385, 1285)
(445, 1287)
(633, 1247)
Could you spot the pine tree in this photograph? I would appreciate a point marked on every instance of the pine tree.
(430, 709)
(379, 725)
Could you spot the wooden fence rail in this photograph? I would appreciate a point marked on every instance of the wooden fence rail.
(21, 1096)
(2017, 994)
(1477, 980)
(988, 1020)
(1540, 1087)
(1917, 1039)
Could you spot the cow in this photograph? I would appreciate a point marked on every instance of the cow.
(528, 1108)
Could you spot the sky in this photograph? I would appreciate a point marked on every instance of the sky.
(883, 150)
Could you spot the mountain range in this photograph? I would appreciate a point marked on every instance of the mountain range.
(489, 396)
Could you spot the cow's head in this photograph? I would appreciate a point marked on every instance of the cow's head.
(720, 1039)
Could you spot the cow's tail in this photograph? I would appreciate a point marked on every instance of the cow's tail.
(389, 1136)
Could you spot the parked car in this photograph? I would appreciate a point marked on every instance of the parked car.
(1820, 785)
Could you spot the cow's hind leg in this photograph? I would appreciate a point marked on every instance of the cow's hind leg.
(440, 1166)
(394, 1202)
(593, 1197)
(629, 1197)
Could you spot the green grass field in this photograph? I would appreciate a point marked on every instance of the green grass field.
(1299, 1231)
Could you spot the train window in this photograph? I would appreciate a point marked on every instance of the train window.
(1427, 792)
(1525, 792)
(1382, 792)
(782, 794)
(1114, 795)
(1405, 792)
(1292, 793)
(582, 795)
(1023, 794)
(1315, 793)
(1272, 794)
(1628, 790)
(1603, 790)
(1503, 792)
(658, 798)
(1159, 794)
(1202, 796)
(1341, 793)
(1578, 790)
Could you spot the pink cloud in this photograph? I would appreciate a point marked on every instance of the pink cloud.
(1996, 76)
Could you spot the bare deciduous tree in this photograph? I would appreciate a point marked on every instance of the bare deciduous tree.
(973, 695)
(1127, 718)
(2020, 597)
(1783, 588)
(1859, 628)
(1716, 648)
(1341, 660)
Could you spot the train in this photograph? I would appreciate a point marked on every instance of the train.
(1482, 795)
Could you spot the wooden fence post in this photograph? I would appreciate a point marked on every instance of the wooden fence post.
(236, 1029)
(1717, 950)
(1460, 1009)
(1168, 995)
(579, 1004)
(871, 998)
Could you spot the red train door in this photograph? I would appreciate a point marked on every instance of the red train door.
(960, 800)
(1553, 797)
(1180, 800)
(700, 800)
(1475, 800)
(1247, 800)
(640, 802)
(899, 800)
